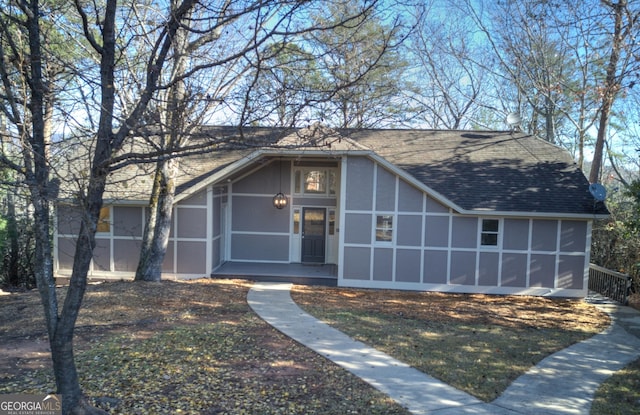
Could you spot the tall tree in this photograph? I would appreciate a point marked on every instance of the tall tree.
(364, 58)
(283, 86)
(27, 51)
(623, 57)
(450, 86)
(570, 62)
(346, 74)
(530, 57)
(171, 113)
(277, 77)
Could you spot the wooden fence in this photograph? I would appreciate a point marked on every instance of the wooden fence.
(612, 284)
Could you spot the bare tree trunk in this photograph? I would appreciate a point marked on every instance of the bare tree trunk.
(59, 327)
(158, 227)
(550, 120)
(149, 228)
(610, 89)
(598, 152)
(62, 342)
(13, 253)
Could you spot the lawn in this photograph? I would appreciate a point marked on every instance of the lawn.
(477, 343)
(196, 347)
(190, 348)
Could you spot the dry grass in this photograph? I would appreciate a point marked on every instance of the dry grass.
(191, 348)
(477, 343)
(196, 347)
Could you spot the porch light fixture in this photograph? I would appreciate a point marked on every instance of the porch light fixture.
(280, 200)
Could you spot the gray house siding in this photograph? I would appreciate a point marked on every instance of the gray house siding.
(434, 248)
(495, 212)
(216, 223)
(389, 232)
(260, 233)
(118, 250)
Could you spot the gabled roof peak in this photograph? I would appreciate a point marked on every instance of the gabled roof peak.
(318, 136)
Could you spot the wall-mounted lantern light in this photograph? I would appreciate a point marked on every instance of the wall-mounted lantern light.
(280, 200)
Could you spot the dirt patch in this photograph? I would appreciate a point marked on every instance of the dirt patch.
(181, 347)
(108, 309)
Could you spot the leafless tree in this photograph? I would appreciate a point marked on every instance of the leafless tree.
(449, 90)
(276, 76)
(621, 64)
(116, 79)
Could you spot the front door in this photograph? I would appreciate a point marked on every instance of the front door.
(313, 234)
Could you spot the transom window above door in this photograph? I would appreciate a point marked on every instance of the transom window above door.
(315, 181)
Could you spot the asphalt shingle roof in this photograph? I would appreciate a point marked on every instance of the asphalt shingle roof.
(488, 171)
(477, 171)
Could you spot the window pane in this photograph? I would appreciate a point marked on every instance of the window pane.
(384, 228)
(296, 221)
(314, 222)
(296, 186)
(315, 182)
(490, 232)
(384, 235)
(104, 221)
(490, 225)
(490, 239)
(332, 222)
(332, 182)
(384, 221)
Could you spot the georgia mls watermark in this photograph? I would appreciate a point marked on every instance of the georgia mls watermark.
(23, 404)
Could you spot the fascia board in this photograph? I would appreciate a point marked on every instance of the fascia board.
(227, 171)
(525, 215)
(221, 175)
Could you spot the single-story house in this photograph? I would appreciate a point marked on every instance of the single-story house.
(452, 211)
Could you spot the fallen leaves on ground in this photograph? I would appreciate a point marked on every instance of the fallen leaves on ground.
(477, 343)
(189, 348)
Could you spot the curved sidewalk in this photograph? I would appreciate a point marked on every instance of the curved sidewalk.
(563, 383)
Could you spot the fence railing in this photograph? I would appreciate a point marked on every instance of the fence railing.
(612, 284)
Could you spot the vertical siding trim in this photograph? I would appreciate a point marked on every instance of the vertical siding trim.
(476, 268)
(374, 207)
(209, 231)
(556, 271)
(56, 235)
(423, 235)
(342, 202)
(529, 246)
(175, 239)
(394, 236)
(230, 220)
(449, 246)
(587, 257)
(112, 262)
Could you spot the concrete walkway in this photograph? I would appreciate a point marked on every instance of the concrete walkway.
(563, 383)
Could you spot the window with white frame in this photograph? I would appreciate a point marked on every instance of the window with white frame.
(315, 181)
(296, 221)
(384, 228)
(490, 232)
(332, 222)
